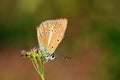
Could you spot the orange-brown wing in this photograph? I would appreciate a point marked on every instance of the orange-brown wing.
(50, 33)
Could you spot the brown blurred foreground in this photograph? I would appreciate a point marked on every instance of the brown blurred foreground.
(14, 67)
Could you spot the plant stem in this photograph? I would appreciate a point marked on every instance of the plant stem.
(42, 77)
(38, 69)
(39, 66)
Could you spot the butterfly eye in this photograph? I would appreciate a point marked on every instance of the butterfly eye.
(53, 56)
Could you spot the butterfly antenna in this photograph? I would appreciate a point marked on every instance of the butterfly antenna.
(63, 56)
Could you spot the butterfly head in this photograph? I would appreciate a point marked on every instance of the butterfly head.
(47, 55)
(51, 57)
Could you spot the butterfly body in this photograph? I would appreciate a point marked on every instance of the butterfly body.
(50, 33)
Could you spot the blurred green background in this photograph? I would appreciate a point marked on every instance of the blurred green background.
(92, 39)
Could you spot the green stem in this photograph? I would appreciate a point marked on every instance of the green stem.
(38, 68)
(42, 77)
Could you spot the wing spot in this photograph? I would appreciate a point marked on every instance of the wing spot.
(57, 39)
(52, 46)
(42, 32)
(60, 24)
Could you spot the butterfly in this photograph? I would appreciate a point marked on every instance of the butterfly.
(50, 33)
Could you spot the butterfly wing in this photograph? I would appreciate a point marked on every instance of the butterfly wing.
(50, 33)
